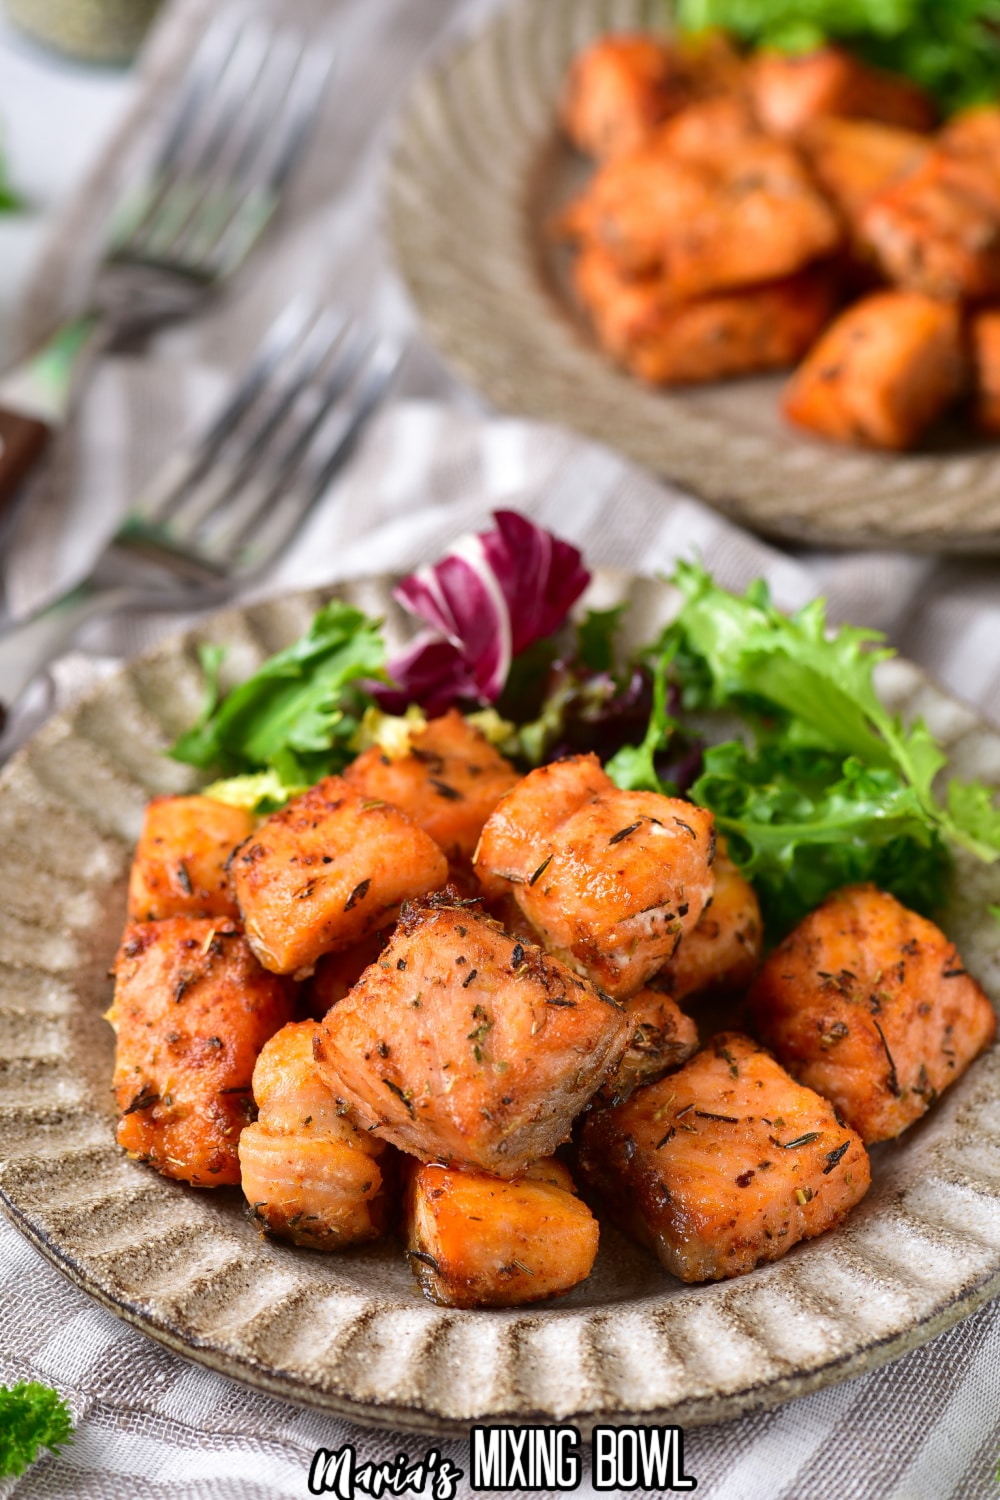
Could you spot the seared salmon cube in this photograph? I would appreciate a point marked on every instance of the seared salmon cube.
(192, 1010)
(479, 1241)
(448, 781)
(870, 1004)
(661, 1037)
(716, 337)
(724, 1165)
(611, 879)
(465, 1046)
(937, 230)
(724, 950)
(855, 160)
(310, 1176)
(708, 221)
(790, 91)
(336, 974)
(326, 871)
(618, 90)
(179, 868)
(883, 373)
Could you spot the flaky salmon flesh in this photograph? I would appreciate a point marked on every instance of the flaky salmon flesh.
(192, 1010)
(612, 880)
(308, 1174)
(326, 871)
(463, 1045)
(871, 1005)
(724, 1165)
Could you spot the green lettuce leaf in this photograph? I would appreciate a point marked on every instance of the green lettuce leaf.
(800, 684)
(298, 714)
(951, 49)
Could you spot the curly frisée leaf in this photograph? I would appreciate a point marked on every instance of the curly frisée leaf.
(299, 712)
(800, 823)
(32, 1417)
(818, 689)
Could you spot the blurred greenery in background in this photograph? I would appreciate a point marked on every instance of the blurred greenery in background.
(950, 47)
(11, 201)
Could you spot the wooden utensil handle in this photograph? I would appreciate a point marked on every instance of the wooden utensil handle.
(23, 440)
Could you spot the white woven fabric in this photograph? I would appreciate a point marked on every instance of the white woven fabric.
(150, 1424)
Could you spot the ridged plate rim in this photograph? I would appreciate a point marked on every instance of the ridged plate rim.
(474, 149)
(911, 1262)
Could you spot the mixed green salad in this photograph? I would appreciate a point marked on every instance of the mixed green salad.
(950, 47)
(773, 722)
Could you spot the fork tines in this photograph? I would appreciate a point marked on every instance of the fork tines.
(229, 504)
(242, 117)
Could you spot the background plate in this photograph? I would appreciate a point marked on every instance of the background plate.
(478, 169)
(350, 1333)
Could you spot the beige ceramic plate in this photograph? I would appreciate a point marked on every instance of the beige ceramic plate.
(478, 170)
(349, 1332)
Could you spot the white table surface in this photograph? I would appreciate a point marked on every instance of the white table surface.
(55, 117)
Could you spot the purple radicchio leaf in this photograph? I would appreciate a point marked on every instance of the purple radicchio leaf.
(490, 596)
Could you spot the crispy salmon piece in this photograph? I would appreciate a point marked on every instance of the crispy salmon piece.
(448, 782)
(336, 974)
(179, 868)
(621, 87)
(708, 221)
(870, 1004)
(716, 337)
(937, 230)
(883, 373)
(611, 879)
(702, 130)
(465, 1046)
(854, 160)
(789, 91)
(986, 349)
(618, 90)
(309, 1174)
(478, 1241)
(327, 870)
(724, 950)
(661, 1037)
(192, 1009)
(724, 1165)
(634, 202)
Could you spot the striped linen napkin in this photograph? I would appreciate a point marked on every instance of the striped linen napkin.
(151, 1424)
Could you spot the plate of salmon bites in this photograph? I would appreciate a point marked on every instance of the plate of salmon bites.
(752, 249)
(510, 992)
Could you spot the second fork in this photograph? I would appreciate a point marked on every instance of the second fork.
(227, 505)
(240, 121)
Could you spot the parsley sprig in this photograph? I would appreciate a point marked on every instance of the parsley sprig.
(32, 1417)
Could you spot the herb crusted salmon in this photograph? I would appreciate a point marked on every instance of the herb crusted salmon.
(724, 1165)
(464, 1045)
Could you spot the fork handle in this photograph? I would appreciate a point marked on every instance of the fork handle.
(35, 398)
(23, 440)
(28, 646)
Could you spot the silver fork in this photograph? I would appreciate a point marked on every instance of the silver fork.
(225, 507)
(240, 121)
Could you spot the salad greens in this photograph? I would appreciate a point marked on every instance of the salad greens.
(297, 716)
(828, 787)
(815, 784)
(11, 201)
(32, 1417)
(951, 49)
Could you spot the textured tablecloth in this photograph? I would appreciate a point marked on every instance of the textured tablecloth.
(149, 1423)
